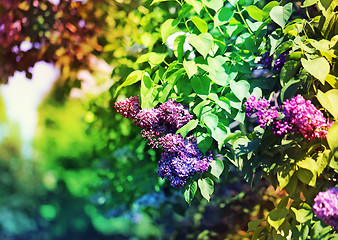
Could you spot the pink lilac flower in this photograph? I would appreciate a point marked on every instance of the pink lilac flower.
(326, 207)
(305, 118)
(267, 116)
(128, 108)
(252, 105)
(299, 116)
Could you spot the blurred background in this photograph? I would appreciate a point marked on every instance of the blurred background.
(70, 166)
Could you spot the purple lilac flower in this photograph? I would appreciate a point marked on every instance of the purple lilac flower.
(300, 116)
(267, 116)
(266, 59)
(252, 105)
(326, 207)
(174, 115)
(129, 107)
(181, 159)
(280, 61)
(147, 118)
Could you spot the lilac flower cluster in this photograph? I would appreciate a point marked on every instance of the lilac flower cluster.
(296, 115)
(280, 61)
(266, 60)
(128, 108)
(180, 159)
(326, 207)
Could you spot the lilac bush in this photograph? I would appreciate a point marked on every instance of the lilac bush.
(326, 207)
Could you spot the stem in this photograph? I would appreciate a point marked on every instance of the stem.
(179, 2)
(242, 127)
(186, 25)
(216, 40)
(206, 9)
(246, 25)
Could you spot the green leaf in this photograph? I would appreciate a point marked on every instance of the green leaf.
(217, 167)
(283, 203)
(233, 2)
(306, 176)
(206, 186)
(304, 213)
(225, 104)
(179, 46)
(310, 164)
(168, 27)
(147, 92)
(156, 58)
(132, 78)
(267, 8)
(190, 67)
(204, 142)
(277, 217)
(255, 13)
(254, 224)
(189, 191)
(240, 89)
(211, 120)
(200, 24)
(260, 233)
(320, 229)
(308, 3)
(234, 30)
(213, 4)
(289, 89)
(289, 70)
(192, 124)
(254, 26)
(284, 174)
(281, 15)
(201, 86)
(234, 101)
(332, 137)
(217, 62)
(223, 16)
(220, 134)
(202, 43)
(219, 77)
(312, 66)
(157, 1)
(332, 80)
(196, 4)
(323, 160)
(329, 101)
(198, 109)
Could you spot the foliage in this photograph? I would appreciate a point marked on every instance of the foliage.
(215, 81)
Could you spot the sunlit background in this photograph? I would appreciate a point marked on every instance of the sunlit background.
(70, 166)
